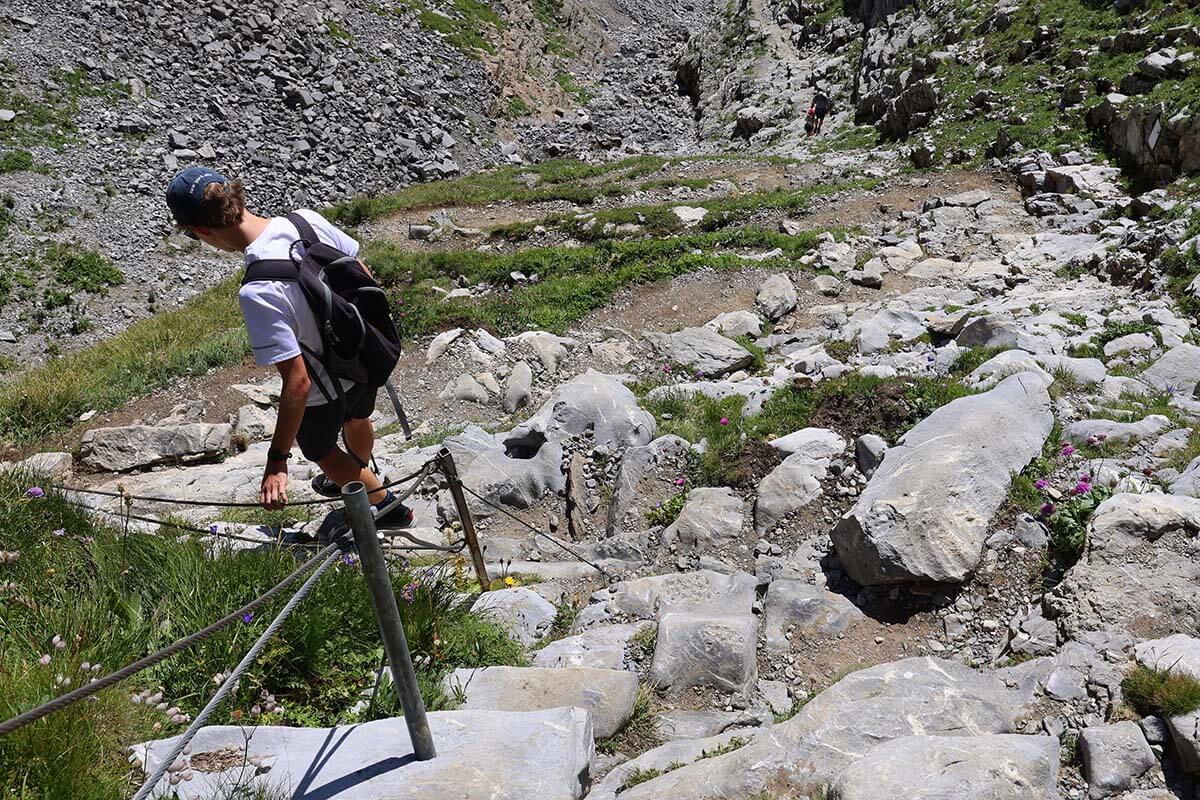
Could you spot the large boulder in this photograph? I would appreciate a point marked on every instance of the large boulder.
(592, 403)
(1114, 757)
(796, 608)
(543, 754)
(711, 518)
(603, 647)
(924, 515)
(1179, 652)
(138, 446)
(701, 350)
(777, 296)
(1139, 571)
(786, 489)
(524, 613)
(609, 694)
(502, 474)
(699, 591)
(706, 650)
(804, 755)
(1177, 371)
(997, 767)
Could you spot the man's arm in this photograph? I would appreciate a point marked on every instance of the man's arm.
(292, 400)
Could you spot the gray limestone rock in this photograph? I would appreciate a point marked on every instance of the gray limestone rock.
(869, 450)
(806, 611)
(997, 767)
(1139, 571)
(702, 350)
(550, 349)
(1178, 652)
(543, 754)
(504, 474)
(1000, 366)
(137, 446)
(441, 343)
(1185, 735)
(777, 296)
(635, 464)
(467, 389)
(916, 696)
(925, 512)
(663, 758)
(1114, 757)
(736, 323)
(699, 591)
(524, 613)
(1177, 371)
(702, 650)
(518, 388)
(814, 443)
(710, 519)
(254, 423)
(608, 694)
(602, 647)
(786, 489)
(1116, 432)
(592, 403)
(683, 725)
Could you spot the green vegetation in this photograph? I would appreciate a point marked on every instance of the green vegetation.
(568, 84)
(1160, 692)
(16, 161)
(206, 332)
(1113, 330)
(466, 24)
(852, 404)
(638, 775)
(667, 511)
(339, 31)
(7, 217)
(77, 268)
(518, 107)
(112, 597)
(638, 730)
(973, 359)
(641, 646)
(48, 120)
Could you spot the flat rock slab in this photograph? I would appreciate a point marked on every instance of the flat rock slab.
(924, 515)
(915, 696)
(1002, 767)
(664, 757)
(1177, 371)
(815, 443)
(786, 489)
(700, 591)
(1179, 652)
(542, 754)
(702, 350)
(1117, 432)
(716, 651)
(137, 446)
(603, 647)
(1140, 570)
(608, 694)
(806, 611)
(681, 725)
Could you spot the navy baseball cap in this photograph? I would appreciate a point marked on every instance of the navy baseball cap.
(185, 193)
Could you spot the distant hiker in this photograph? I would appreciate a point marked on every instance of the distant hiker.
(283, 256)
(818, 110)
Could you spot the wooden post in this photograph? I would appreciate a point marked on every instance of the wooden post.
(446, 462)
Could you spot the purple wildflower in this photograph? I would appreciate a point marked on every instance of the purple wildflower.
(1068, 450)
(349, 560)
(724, 420)
(1041, 483)
(408, 591)
(680, 481)
(35, 491)
(212, 529)
(1085, 477)
(1082, 487)
(1048, 509)
(248, 617)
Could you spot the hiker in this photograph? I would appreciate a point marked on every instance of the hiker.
(284, 333)
(818, 110)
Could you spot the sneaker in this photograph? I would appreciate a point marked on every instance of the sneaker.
(398, 516)
(325, 487)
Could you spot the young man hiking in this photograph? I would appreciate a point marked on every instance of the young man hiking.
(283, 329)
(818, 110)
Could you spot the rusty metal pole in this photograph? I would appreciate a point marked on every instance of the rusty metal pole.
(446, 462)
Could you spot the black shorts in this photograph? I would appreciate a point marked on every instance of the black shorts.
(321, 425)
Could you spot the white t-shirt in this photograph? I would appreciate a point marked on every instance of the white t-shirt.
(277, 314)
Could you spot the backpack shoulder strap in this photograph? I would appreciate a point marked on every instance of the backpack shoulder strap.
(271, 269)
(303, 227)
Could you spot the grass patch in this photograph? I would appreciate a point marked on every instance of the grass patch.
(16, 161)
(339, 31)
(638, 731)
(1160, 692)
(465, 24)
(206, 332)
(567, 82)
(972, 359)
(77, 268)
(1111, 331)
(667, 511)
(641, 646)
(113, 597)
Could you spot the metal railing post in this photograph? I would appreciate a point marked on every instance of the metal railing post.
(446, 462)
(398, 407)
(387, 615)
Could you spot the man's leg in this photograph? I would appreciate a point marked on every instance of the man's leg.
(342, 469)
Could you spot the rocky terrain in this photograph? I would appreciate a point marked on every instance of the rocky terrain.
(908, 509)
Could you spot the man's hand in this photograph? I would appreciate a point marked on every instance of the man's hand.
(273, 495)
